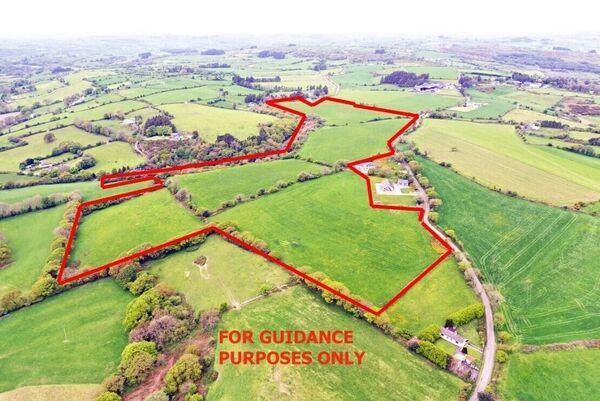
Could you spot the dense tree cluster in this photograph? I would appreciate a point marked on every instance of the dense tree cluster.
(269, 53)
(249, 80)
(552, 124)
(405, 79)
(160, 124)
(465, 315)
(212, 52)
(320, 65)
(521, 77)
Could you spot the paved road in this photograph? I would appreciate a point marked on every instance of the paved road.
(489, 351)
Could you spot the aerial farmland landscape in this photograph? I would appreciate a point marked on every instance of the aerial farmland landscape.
(264, 206)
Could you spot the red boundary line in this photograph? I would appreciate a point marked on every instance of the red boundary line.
(138, 176)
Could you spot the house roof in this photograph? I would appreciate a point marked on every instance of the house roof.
(452, 335)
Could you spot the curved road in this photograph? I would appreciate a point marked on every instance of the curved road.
(489, 351)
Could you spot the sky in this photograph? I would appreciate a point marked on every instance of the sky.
(78, 18)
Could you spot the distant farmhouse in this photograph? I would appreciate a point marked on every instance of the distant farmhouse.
(449, 334)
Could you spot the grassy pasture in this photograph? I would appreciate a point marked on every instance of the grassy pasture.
(154, 217)
(114, 155)
(17, 178)
(542, 259)
(566, 375)
(497, 157)
(401, 100)
(54, 392)
(67, 118)
(358, 75)
(212, 121)
(441, 292)
(388, 372)
(538, 102)
(231, 274)
(337, 114)
(529, 116)
(29, 237)
(210, 188)
(494, 106)
(330, 144)
(88, 189)
(55, 95)
(75, 337)
(317, 224)
(36, 146)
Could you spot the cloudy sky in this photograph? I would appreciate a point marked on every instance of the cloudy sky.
(23, 18)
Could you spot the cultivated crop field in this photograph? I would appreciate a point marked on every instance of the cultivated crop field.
(498, 158)
(385, 361)
(541, 259)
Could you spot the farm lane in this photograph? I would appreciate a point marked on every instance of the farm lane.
(489, 351)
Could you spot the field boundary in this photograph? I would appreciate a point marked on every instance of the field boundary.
(138, 176)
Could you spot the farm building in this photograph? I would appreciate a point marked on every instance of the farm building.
(365, 167)
(449, 334)
(391, 188)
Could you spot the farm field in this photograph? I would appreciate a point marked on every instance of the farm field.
(352, 142)
(81, 343)
(211, 121)
(401, 100)
(498, 158)
(36, 147)
(301, 225)
(29, 247)
(200, 94)
(209, 189)
(492, 105)
(538, 102)
(230, 274)
(15, 178)
(337, 114)
(541, 259)
(88, 190)
(552, 375)
(440, 293)
(529, 116)
(54, 392)
(385, 362)
(96, 242)
(114, 155)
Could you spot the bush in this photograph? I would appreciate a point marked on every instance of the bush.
(5, 253)
(430, 333)
(143, 283)
(114, 383)
(434, 354)
(11, 301)
(108, 396)
(186, 369)
(137, 360)
(465, 315)
(161, 330)
(501, 356)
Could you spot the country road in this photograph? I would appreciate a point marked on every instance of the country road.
(489, 351)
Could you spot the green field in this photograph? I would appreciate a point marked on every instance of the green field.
(210, 188)
(71, 338)
(29, 237)
(538, 102)
(201, 94)
(493, 105)
(230, 274)
(388, 372)
(443, 291)
(497, 157)
(529, 116)
(317, 224)
(114, 155)
(330, 144)
(54, 392)
(337, 114)
(401, 100)
(568, 375)
(213, 121)
(153, 217)
(16, 178)
(542, 259)
(36, 146)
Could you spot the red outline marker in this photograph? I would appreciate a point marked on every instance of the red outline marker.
(137, 176)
